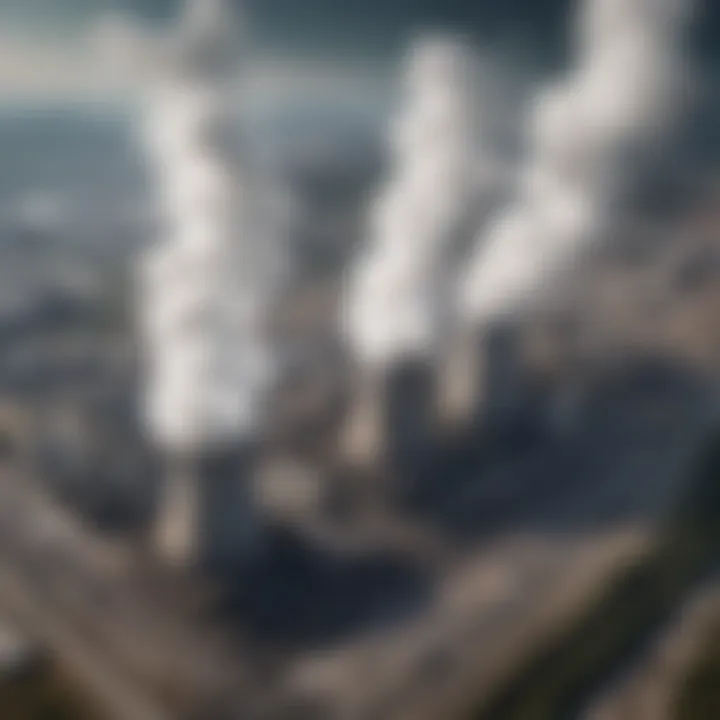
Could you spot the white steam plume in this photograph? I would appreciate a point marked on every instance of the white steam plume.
(590, 135)
(398, 293)
(209, 284)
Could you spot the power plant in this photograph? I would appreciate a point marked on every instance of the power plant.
(520, 464)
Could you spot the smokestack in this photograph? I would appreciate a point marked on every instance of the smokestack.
(206, 516)
(399, 292)
(393, 422)
(485, 387)
(502, 375)
(592, 135)
(208, 290)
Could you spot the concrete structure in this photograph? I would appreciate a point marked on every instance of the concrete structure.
(501, 368)
(393, 421)
(484, 380)
(205, 516)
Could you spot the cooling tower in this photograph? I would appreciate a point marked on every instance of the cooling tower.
(459, 386)
(206, 518)
(484, 384)
(399, 292)
(501, 369)
(392, 423)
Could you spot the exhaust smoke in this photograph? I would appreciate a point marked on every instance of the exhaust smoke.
(591, 135)
(209, 285)
(398, 294)
(208, 290)
(398, 304)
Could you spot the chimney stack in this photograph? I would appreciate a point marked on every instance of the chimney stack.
(392, 423)
(484, 382)
(205, 515)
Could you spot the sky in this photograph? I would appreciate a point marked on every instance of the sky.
(49, 46)
(361, 23)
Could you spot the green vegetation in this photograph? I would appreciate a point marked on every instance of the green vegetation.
(556, 678)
